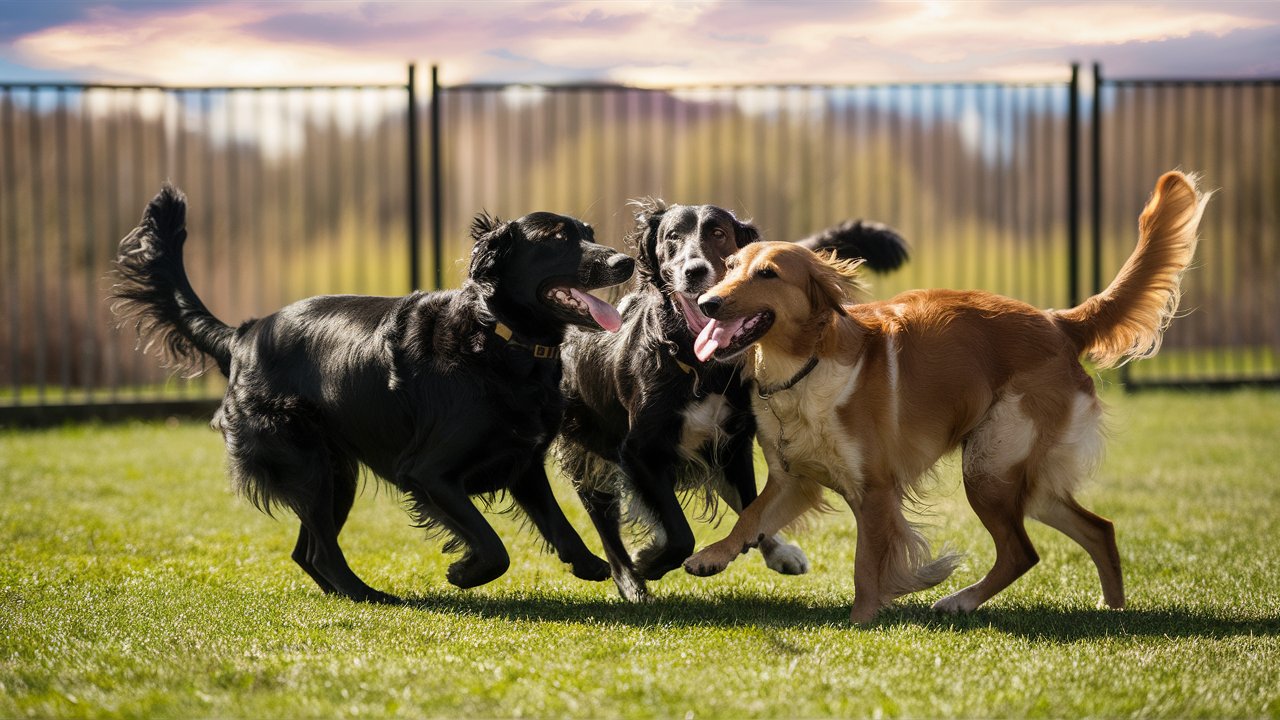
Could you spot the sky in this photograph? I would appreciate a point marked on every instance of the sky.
(659, 43)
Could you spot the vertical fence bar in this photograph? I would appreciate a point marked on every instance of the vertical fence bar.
(411, 201)
(1073, 187)
(64, 242)
(36, 170)
(10, 146)
(1095, 183)
(437, 184)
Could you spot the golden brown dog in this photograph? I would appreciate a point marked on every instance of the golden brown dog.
(863, 399)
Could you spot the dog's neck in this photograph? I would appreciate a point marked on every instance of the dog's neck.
(779, 357)
(524, 323)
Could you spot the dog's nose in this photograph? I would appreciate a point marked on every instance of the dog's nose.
(621, 266)
(695, 272)
(710, 306)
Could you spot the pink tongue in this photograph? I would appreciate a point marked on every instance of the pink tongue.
(601, 311)
(692, 315)
(715, 336)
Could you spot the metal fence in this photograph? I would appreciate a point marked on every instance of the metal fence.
(309, 190)
(1229, 131)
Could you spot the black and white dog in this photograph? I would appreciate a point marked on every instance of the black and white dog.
(646, 419)
(445, 394)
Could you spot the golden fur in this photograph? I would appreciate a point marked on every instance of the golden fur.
(900, 383)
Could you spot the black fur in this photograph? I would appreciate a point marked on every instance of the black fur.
(629, 393)
(420, 389)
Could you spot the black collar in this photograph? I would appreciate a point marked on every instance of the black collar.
(541, 352)
(768, 392)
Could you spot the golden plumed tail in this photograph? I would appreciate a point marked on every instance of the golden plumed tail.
(1127, 320)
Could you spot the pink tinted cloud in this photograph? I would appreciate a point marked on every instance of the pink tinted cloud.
(655, 43)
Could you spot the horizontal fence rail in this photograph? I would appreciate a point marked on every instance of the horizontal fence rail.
(297, 191)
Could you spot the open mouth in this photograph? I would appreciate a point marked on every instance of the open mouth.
(582, 308)
(692, 315)
(725, 339)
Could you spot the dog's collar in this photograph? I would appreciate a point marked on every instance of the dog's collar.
(542, 352)
(767, 392)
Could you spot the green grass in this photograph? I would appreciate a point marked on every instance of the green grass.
(134, 583)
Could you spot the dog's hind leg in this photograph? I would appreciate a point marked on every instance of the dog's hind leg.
(1094, 533)
(605, 510)
(344, 488)
(533, 493)
(998, 501)
(324, 556)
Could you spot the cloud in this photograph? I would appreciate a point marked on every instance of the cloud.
(649, 43)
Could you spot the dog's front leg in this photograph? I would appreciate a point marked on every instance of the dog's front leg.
(604, 508)
(739, 491)
(441, 500)
(651, 468)
(784, 499)
(533, 493)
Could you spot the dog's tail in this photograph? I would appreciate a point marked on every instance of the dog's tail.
(1127, 320)
(154, 295)
(880, 246)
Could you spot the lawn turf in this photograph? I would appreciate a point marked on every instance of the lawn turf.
(133, 582)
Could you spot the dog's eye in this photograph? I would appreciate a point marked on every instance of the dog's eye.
(766, 273)
(718, 234)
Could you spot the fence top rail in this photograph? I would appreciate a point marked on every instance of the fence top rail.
(70, 85)
(1145, 82)
(615, 87)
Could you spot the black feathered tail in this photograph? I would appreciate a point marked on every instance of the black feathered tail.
(881, 247)
(155, 296)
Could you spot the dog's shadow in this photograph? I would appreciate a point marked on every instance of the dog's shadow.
(1048, 623)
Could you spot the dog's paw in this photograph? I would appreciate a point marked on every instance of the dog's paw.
(379, 598)
(632, 588)
(705, 564)
(863, 613)
(471, 571)
(956, 603)
(654, 562)
(591, 568)
(785, 558)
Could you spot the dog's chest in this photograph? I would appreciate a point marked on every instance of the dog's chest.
(703, 423)
(801, 433)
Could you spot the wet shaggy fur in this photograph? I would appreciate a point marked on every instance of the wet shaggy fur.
(445, 395)
(899, 383)
(646, 420)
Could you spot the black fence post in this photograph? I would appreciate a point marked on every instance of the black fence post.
(437, 195)
(1073, 188)
(1095, 184)
(412, 190)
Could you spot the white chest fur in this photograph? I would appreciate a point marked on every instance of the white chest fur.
(704, 421)
(801, 433)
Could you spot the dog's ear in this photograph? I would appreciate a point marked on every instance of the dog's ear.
(745, 233)
(493, 239)
(833, 282)
(643, 238)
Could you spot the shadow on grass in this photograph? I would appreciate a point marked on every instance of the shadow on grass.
(743, 610)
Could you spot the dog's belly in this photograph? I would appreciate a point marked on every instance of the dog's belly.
(703, 425)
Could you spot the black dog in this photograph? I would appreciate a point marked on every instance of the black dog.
(646, 419)
(445, 394)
